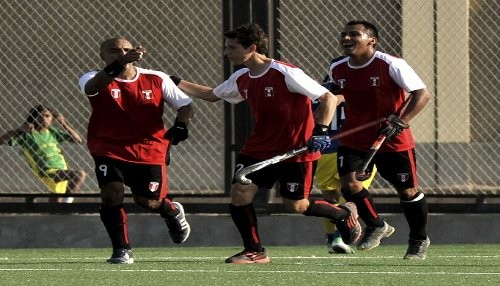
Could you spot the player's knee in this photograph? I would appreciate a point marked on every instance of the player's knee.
(147, 204)
(242, 195)
(296, 206)
(112, 194)
(407, 194)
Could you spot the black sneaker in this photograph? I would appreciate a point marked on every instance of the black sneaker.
(417, 249)
(178, 227)
(247, 257)
(121, 256)
(349, 227)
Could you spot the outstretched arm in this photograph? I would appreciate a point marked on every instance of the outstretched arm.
(106, 75)
(198, 91)
(26, 127)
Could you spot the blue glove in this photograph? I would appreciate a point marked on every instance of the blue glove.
(320, 140)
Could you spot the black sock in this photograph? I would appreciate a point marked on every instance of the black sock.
(415, 211)
(366, 207)
(245, 219)
(115, 222)
(167, 209)
(323, 208)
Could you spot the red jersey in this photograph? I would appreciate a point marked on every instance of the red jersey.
(372, 91)
(280, 101)
(126, 121)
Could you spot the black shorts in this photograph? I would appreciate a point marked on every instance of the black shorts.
(398, 168)
(149, 181)
(295, 178)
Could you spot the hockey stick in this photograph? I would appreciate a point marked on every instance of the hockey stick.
(362, 174)
(240, 175)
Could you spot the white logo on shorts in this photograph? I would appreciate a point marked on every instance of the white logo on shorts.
(292, 187)
(403, 177)
(153, 186)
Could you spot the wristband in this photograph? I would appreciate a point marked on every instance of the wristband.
(175, 79)
(114, 69)
(320, 129)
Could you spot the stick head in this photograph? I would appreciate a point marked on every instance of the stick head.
(362, 175)
(240, 178)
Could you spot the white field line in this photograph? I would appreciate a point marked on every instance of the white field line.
(203, 258)
(252, 271)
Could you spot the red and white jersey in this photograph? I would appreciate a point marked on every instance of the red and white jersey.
(280, 101)
(372, 91)
(126, 121)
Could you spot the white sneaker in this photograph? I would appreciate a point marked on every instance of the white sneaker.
(335, 244)
(373, 235)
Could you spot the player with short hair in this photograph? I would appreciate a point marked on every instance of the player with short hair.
(40, 141)
(128, 141)
(279, 95)
(374, 85)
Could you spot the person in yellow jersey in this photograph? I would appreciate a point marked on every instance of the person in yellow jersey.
(40, 142)
(327, 177)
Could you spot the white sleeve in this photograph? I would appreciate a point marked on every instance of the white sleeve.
(228, 90)
(84, 79)
(173, 96)
(405, 76)
(297, 81)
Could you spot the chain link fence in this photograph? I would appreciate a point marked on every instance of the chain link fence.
(49, 44)
(452, 44)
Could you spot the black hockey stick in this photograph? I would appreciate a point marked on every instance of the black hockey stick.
(240, 175)
(362, 174)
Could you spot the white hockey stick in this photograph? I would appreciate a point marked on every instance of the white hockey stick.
(240, 175)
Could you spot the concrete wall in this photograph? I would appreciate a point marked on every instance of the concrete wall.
(40, 231)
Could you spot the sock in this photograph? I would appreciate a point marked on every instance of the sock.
(115, 222)
(366, 207)
(167, 209)
(323, 208)
(416, 211)
(245, 219)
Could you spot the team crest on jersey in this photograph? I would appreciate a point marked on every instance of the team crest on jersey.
(269, 91)
(153, 186)
(292, 187)
(245, 93)
(403, 177)
(115, 93)
(341, 82)
(148, 94)
(374, 81)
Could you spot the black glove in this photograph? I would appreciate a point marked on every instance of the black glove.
(393, 126)
(319, 140)
(177, 133)
(332, 87)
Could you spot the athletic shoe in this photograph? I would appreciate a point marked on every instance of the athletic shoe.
(349, 227)
(373, 235)
(335, 244)
(121, 256)
(417, 249)
(178, 227)
(247, 257)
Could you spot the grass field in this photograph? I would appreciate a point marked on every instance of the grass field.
(473, 265)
